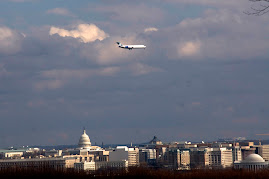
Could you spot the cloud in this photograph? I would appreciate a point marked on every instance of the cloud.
(22, 0)
(189, 49)
(84, 32)
(151, 29)
(218, 34)
(3, 71)
(219, 3)
(57, 78)
(60, 11)
(140, 13)
(138, 69)
(49, 84)
(10, 41)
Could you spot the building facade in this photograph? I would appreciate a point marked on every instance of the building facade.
(122, 153)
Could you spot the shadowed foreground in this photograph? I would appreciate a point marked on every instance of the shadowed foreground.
(133, 173)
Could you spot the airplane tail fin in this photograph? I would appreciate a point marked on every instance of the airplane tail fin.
(119, 43)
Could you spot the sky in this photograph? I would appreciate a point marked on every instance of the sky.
(203, 76)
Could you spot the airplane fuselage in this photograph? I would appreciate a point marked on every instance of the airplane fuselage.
(130, 47)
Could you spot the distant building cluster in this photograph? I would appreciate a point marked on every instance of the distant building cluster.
(175, 156)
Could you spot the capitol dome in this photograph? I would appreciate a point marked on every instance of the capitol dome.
(254, 158)
(84, 141)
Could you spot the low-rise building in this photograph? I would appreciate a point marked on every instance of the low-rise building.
(263, 151)
(122, 153)
(53, 153)
(252, 162)
(211, 158)
(147, 156)
(112, 164)
(11, 153)
(42, 163)
(177, 159)
(88, 166)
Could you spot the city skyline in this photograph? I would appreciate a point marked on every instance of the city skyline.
(203, 76)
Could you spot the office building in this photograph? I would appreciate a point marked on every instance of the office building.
(122, 153)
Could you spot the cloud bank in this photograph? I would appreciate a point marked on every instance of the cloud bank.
(10, 41)
(84, 32)
(60, 11)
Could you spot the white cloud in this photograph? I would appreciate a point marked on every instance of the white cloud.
(60, 11)
(10, 41)
(189, 49)
(84, 32)
(151, 29)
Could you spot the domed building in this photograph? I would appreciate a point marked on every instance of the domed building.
(155, 141)
(84, 141)
(252, 162)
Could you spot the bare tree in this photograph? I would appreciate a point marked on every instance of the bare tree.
(258, 11)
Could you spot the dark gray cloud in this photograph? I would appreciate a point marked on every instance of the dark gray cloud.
(199, 79)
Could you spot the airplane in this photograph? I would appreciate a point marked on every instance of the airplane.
(131, 47)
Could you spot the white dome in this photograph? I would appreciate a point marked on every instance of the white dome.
(84, 141)
(254, 158)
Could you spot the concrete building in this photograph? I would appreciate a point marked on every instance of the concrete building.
(246, 151)
(147, 156)
(218, 157)
(252, 162)
(122, 153)
(263, 151)
(211, 158)
(54, 163)
(112, 164)
(99, 155)
(237, 154)
(53, 153)
(177, 159)
(11, 153)
(88, 166)
(197, 158)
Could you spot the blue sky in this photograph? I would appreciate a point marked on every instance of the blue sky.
(203, 75)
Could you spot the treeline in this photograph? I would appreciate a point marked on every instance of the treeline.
(136, 172)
